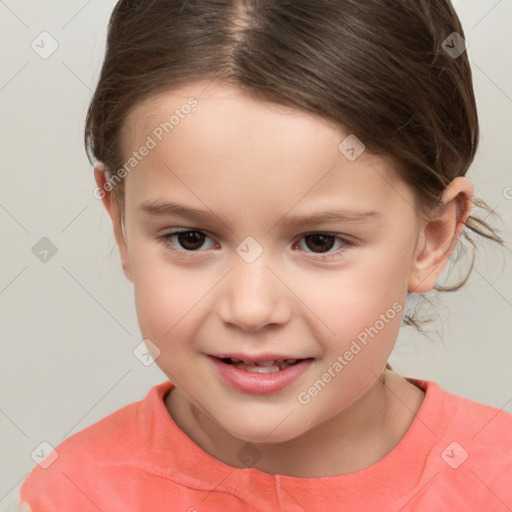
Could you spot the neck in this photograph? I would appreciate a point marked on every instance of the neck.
(353, 440)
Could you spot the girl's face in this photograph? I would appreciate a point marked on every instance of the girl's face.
(251, 280)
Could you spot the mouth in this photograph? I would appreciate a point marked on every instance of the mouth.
(271, 366)
(264, 374)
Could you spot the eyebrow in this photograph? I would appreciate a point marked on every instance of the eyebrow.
(159, 209)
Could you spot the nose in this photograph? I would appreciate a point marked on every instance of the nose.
(253, 296)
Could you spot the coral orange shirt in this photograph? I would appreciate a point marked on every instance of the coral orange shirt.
(456, 456)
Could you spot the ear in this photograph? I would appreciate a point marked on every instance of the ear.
(439, 234)
(110, 203)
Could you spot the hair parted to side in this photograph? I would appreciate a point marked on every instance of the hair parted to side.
(376, 68)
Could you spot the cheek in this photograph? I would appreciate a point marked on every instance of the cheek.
(363, 304)
(165, 296)
(170, 298)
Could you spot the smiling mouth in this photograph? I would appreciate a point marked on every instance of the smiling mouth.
(261, 366)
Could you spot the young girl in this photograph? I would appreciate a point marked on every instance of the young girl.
(281, 176)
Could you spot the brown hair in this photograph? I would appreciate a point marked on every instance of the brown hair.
(377, 68)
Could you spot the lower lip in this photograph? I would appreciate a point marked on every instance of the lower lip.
(260, 383)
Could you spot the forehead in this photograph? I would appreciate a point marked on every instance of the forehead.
(213, 139)
(222, 106)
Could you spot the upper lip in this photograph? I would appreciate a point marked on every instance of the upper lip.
(256, 358)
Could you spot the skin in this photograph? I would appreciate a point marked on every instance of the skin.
(252, 164)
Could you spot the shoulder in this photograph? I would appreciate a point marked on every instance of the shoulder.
(457, 415)
(471, 444)
(484, 432)
(89, 457)
(474, 418)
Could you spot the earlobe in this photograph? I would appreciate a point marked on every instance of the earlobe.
(111, 205)
(439, 235)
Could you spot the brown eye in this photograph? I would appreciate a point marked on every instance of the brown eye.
(320, 241)
(323, 243)
(184, 241)
(190, 240)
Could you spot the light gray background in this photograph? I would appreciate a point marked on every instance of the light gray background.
(69, 326)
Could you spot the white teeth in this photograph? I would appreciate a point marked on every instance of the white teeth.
(260, 369)
(262, 366)
(266, 368)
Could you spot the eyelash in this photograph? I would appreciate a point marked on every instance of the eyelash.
(168, 237)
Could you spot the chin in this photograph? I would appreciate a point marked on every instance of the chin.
(264, 431)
